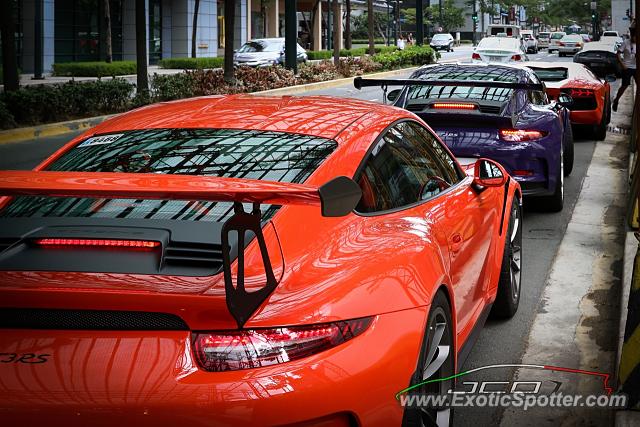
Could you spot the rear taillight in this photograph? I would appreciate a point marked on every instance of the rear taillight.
(453, 106)
(516, 57)
(560, 44)
(580, 93)
(111, 243)
(520, 135)
(475, 56)
(254, 348)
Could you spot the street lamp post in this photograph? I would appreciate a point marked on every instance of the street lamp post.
(290, 35)
(419, 23)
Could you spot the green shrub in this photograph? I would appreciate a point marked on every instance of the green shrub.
(359, 51)
(414, 55)
(51, 103)
(7, 121)
(172, 86)
(319, 54)
(94, 69)
(192, 63)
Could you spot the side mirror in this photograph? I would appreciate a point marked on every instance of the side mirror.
(565, 100)
(394, 94)
(488, 173)
(610, 78)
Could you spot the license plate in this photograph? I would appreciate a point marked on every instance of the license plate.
(494, 58)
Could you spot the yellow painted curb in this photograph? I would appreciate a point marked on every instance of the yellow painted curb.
(293, 90)
(54, 129)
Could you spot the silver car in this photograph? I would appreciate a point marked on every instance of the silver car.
(443, 41)
(570, 44)
(264, 53)
(554, 39)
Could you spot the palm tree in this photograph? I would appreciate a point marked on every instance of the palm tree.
(347, 26)
(141, 48)
(9, 59)
(108, 47)
(229, 19)
(372, 49)
(194, 30)
(337, 18)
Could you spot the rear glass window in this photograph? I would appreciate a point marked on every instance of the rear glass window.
(503, 43)
(557, 35)
(249, 154)
(464, 92)
(551, 74)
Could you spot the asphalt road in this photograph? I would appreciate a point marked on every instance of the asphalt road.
(500, 341)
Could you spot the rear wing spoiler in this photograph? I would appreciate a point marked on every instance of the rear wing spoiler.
(338, 197)
(359, 83)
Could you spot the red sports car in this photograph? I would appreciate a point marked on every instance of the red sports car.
(248, 260)
(591, 96)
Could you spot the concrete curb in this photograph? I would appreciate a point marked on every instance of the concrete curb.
(61, 128)
(626, 418)
(53, 129)
(294, 90)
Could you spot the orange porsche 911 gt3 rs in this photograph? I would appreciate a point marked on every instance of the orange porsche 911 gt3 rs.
(591, 96)
(242, 260)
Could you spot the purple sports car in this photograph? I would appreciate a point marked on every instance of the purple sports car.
(496, 111)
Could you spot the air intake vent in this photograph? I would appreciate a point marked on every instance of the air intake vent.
(6, 242)
(490, 109)
(207, 256)
(37, 318)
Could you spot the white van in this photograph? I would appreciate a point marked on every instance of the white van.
(510, 30)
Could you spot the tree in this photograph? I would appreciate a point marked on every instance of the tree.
(106, 38)
(9, 59)
(347, 26)
(141, 48)
(337, 22)
(452, 16)
(194, 29)
(229, 38)
(370, 18)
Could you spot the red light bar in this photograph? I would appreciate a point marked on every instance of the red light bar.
(520, 135)
(113, 243)
(580, 93)
(453, 106)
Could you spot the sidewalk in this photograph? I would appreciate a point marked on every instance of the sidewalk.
(578, 317)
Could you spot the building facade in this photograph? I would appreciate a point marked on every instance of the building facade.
(619, 19)
(72, 30)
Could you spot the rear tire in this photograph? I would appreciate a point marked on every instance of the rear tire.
(600, 129)
(555, 202)
(509, 284)
(436, 360)
(568, 151)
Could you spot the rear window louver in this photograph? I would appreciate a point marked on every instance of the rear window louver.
(200, 255)
(489, 109)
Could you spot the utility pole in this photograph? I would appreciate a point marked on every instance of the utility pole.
(474, 18)
(37, 45)
(290, 35)
(419, 23)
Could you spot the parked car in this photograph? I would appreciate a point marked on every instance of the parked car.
(554, 40)
(543, 40)
(497, 111)
(585, 38)
(600, 57)
(443, 41)
(264, 53)
(591, 96)
(142, 302)
(499, 49)
(570, 44)
(530, 42)
(611, 37)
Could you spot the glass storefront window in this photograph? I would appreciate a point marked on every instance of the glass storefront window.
(155, 31)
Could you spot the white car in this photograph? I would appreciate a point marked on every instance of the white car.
(611, 37)
(530, 42)
(499, 49)
(543, 40)
(554, 39)
(442, 41)
(570, 44)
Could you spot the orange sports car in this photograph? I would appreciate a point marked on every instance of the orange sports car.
(241, 260)
(591, 96)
